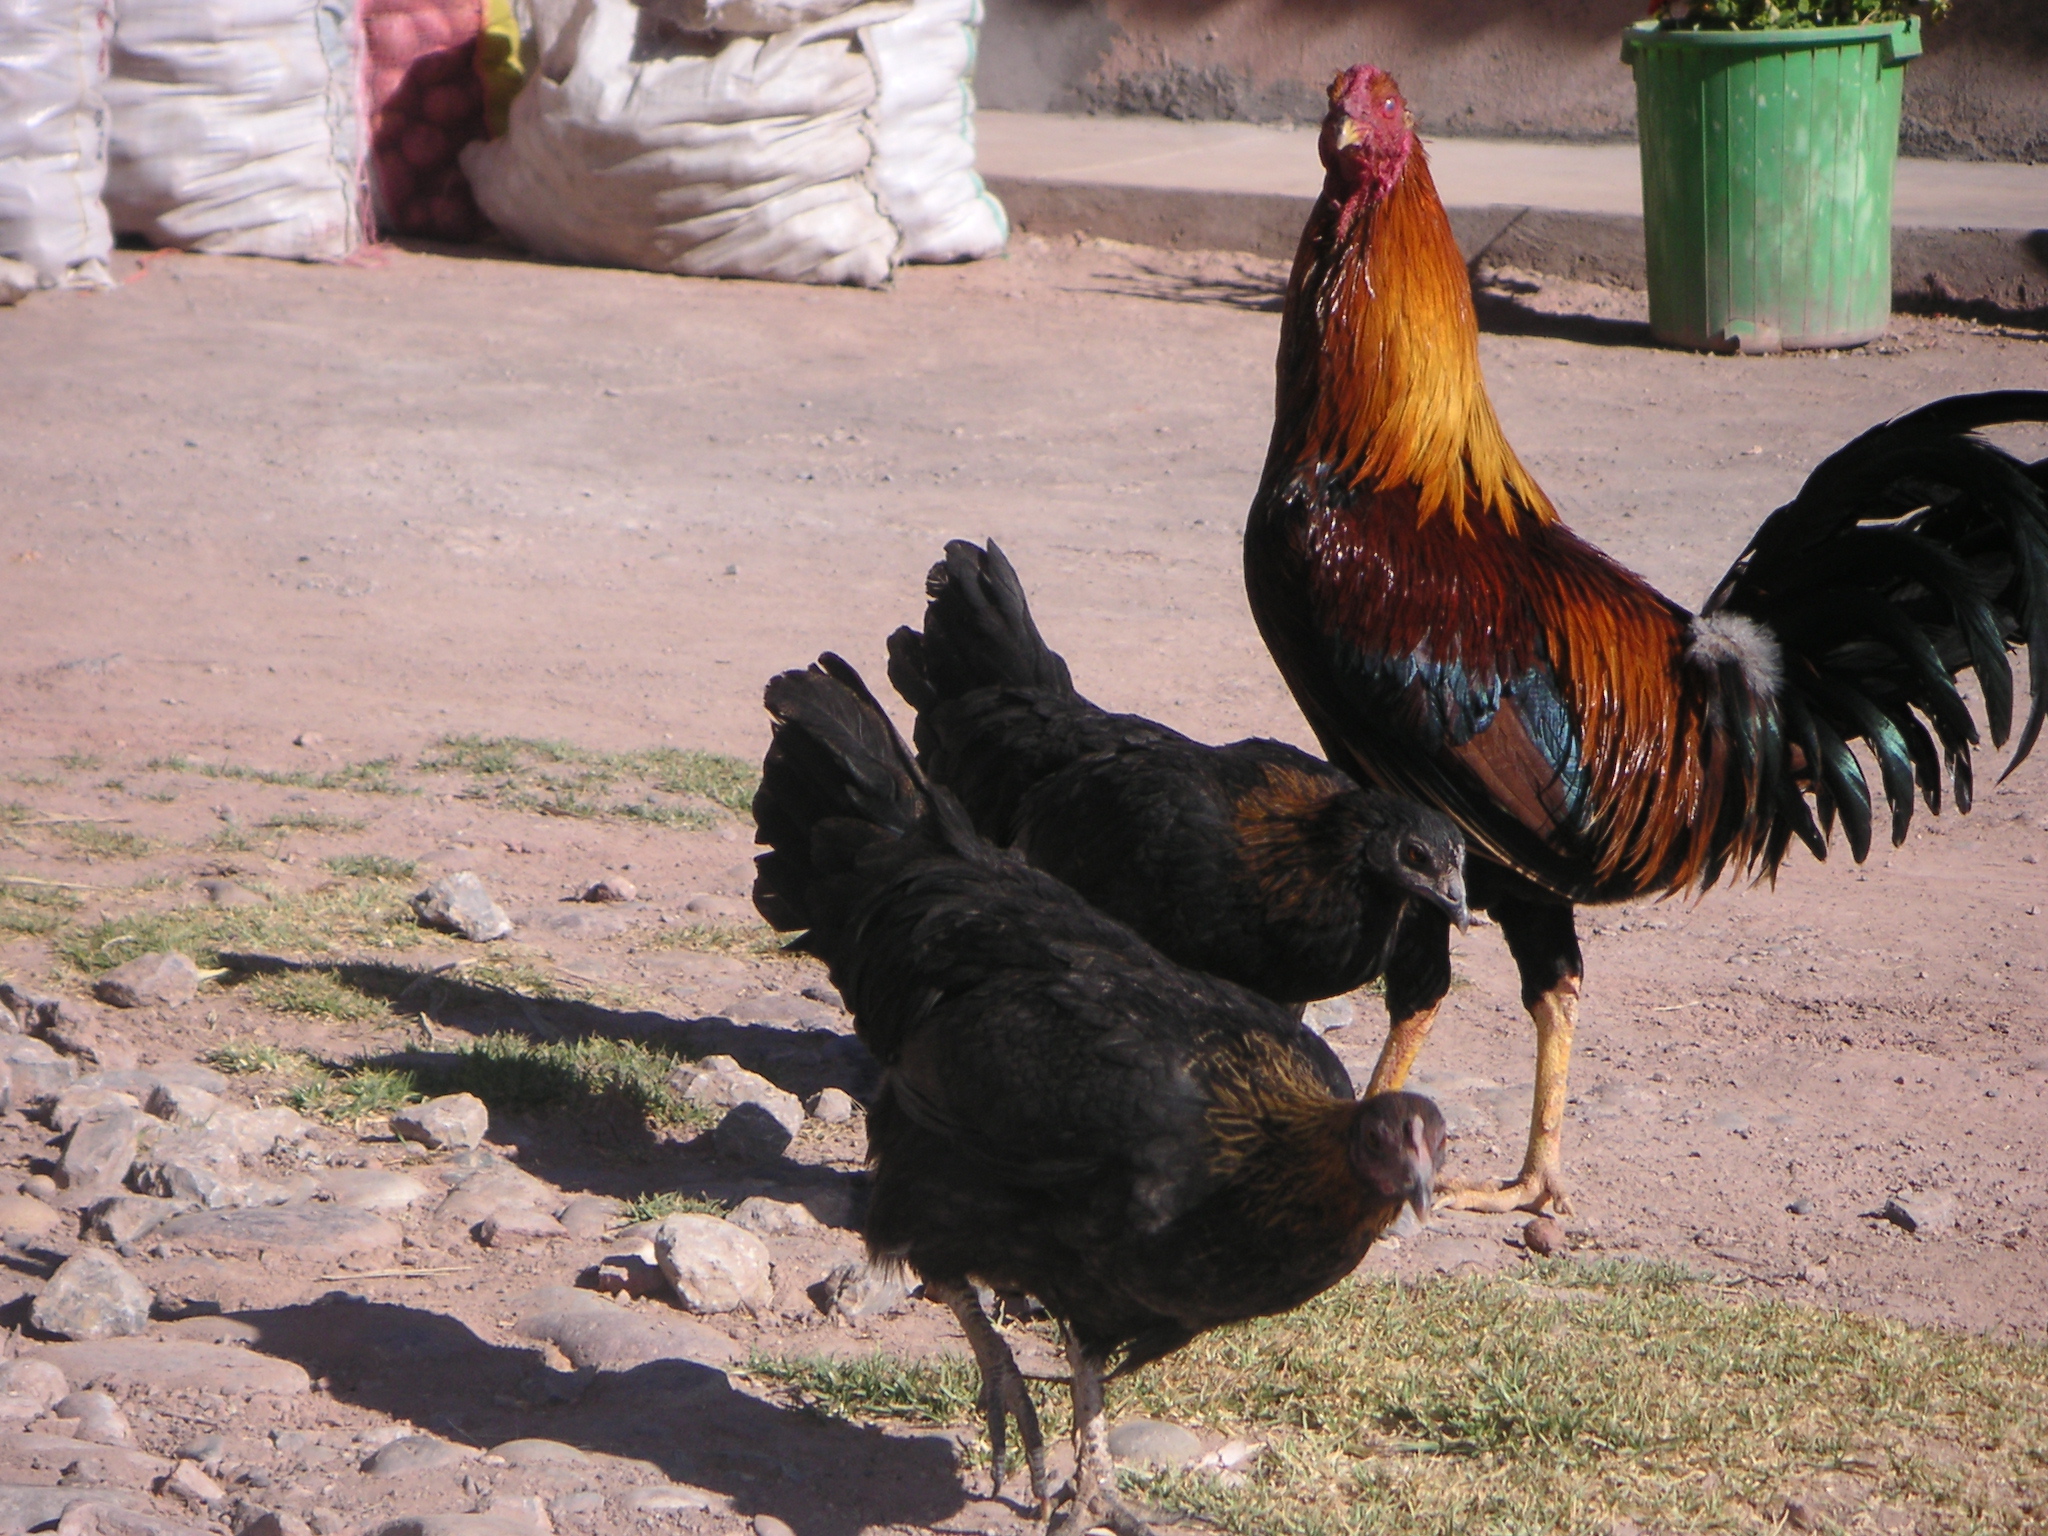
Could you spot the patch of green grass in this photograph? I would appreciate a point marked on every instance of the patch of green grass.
(515, 1073)
(340, 916)
(374, 777)
(666, 1202)
(248, 1058)
(756, 939)
(34, 910)
(315, 994)
(232, 838)
(117, 785)
(12, 811)
(162, 797)
(556, 778)
(942, 1391)
(101, 842)
(1566, 1402)
(350, 1094)
(78, 762)
(372, 866)
(311, 821)
(37, 780)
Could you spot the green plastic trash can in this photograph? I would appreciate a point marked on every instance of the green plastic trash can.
(1767, 181)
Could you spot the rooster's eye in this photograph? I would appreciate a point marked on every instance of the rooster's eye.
(1387, 107)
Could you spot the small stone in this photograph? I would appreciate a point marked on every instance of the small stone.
(372, 1189)
(627, 1274)
(100, 1420)
(704, 904)
(673, 1498)
(40, 1186)
(459, 904)
(580, 1507)
(834, 1106)
(768, 1525)
(204, 1449)
(182, 1104)
(159, 979)
(1543, 1237)
(225, 893)
(247, 1519)
(588, 1216)
(81, 1099)
(26, 1216)
(99, 1515)
(98, 1044)
(772, 1218)
(313, 1234)
(37, 1380)
(188, 1482)
(1151, 1443)
(1925, 1214)
(454, 1120)
(859, 1289)
(713, 1265)
(413, 1453)
(451, 1525)
(539, 1453)
(121, 1219)
(36, 1074)
(611, 888)
(515, 1226)
(751, 1133)
(1801, 1207)
(92, 1297)
(1326, 1014)
(100, 1152)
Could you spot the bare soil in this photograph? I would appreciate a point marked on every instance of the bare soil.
(246, 503)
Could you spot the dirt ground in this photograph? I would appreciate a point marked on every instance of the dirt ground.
(243, 503)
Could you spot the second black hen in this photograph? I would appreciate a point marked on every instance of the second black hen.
(1252, 861)
(1063, 1111)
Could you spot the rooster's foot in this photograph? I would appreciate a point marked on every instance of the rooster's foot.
(1535, 1189)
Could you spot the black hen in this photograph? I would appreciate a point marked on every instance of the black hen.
(1063, 1111)
(1252, 861)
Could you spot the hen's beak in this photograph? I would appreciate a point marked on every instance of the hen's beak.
(1348, 136)
(1421, 1193)
(1453, 902)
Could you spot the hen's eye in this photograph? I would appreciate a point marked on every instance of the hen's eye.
(1414, 858)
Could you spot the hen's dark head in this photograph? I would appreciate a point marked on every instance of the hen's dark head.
(1420, 852)
(1397, 1145)
(1368, 135)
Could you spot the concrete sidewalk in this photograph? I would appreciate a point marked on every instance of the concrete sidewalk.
(1962, 231)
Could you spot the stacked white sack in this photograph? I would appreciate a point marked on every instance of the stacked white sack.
(640, 142)
(53, 138)
(924, 134)
(238, 127)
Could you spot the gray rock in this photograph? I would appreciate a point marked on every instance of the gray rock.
(1926, 1213)
(579, 1508)
(257, 1132)
(1801, 1207)
(36, 1507)
(159, 979)
(36, 1074)
(100, 1419)
(834, 1106)
(182, 1104)
(372, 1189)
(413, 1453)
(454, 1120)
(610, 888)
(121, 1366)
(92, 1297)
(459, 904)
(100, 1152)
(1326, 1014)
(1151, 1443)
(91, 1040)
(99, 1515)
(246, 1519)
(38, 1380)
(204, 1449)
(192, 1170)
(40, 1186)
(225, 893)
(22, 1011)
(772, 1218)
(539, 1453)
(751, 1133)
(588, 1216)
(713, 1265)
(674, 1498)
(596, 1334)
(191, 1482)
(768, 1525)
(859, 1289)
(92, 1468)
(719, 1082)
(516, 1226)
(26, 1216)
(452, 1525)
(311, 1234)
(83, 1098)
(628, 1274)
(704, 904)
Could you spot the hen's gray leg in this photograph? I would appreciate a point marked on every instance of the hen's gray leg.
(1003, 1392)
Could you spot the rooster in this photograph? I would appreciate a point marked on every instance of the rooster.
(1063, 1112)
(1450, 640)
(1253, 861)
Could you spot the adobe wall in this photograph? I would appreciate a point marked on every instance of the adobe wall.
(1541, 68)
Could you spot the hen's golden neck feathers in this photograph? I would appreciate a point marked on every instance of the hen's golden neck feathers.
(1379, 360)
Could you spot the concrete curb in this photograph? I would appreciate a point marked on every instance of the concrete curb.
(2002, 271)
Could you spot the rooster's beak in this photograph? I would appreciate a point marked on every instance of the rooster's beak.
(1348, 136)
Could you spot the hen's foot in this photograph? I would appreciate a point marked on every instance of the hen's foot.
(1532, 1191)
(1103, 1511)
(1004, 1395)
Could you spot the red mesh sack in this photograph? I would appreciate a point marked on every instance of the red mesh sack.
(426, 102)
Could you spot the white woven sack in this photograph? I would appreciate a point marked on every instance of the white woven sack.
(640, 147)
(53, 138)
(924, 134)
(237, 126)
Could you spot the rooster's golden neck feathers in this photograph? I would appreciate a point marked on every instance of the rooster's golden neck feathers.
(1379, 360)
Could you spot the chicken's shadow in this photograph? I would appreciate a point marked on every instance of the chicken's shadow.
(823, 1477)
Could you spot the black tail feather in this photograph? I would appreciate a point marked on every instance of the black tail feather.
(1916, 552)
(978, 633)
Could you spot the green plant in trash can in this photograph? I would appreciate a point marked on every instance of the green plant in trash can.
(1763, 15)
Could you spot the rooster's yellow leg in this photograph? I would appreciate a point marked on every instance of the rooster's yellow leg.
(1541, 1181)
(1404, 1044)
